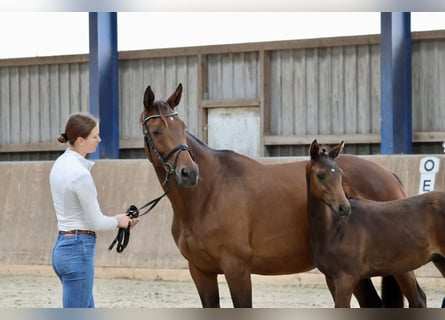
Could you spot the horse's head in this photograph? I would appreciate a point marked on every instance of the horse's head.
(324, 178)
(165, 138)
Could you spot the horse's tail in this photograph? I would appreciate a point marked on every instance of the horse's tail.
(392, 296)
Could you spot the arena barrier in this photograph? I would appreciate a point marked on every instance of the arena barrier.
(28, 224)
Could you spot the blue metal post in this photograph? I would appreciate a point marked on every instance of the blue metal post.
(104, 81)
(395, 61)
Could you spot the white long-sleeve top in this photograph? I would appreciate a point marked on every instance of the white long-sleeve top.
(75, 196)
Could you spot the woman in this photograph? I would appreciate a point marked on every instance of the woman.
(78, 213)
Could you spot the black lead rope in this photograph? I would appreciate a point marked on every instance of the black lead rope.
(123, 234)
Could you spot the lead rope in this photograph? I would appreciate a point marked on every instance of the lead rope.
(123, 234)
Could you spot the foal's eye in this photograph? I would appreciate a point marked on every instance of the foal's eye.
(321, 175)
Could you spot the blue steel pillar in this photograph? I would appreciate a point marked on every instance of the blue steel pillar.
(395, 62)
(104, 81)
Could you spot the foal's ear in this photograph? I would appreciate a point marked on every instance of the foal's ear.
(175, 98)
(335, 151)
(149, 98)
(314, 149)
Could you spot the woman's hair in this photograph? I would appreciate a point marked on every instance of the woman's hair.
(78, 125)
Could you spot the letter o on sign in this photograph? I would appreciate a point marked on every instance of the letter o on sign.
(429, 165)
(428, 168)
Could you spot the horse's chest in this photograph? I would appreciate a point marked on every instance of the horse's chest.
(194, 250)
(189, 245)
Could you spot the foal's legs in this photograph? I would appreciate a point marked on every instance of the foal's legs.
(207, 285)
(409, 286)
(341, 287)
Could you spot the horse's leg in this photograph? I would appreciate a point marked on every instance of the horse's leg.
(392, 296)
(439, 262)
(366, 294)
(344, 286)
(207, 285)
(413, 292)
(239, 281)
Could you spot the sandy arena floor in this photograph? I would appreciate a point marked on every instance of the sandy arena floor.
(31, 291)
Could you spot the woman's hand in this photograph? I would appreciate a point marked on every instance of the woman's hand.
(133, 222)
(123, 221)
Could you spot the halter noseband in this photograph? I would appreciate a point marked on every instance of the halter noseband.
(168, 166)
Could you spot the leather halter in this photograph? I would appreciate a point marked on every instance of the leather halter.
(168, 166)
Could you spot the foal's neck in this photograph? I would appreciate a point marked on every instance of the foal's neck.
(321, 220)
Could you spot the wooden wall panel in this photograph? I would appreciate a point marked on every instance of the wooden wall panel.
(233, 76)
(327, 88)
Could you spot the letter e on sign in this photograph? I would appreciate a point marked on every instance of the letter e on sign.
(428, 168)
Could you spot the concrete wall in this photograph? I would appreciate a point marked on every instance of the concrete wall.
(28, 225)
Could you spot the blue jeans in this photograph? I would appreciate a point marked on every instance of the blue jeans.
(73, 262)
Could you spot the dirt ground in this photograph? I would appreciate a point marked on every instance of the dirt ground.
(44, 291)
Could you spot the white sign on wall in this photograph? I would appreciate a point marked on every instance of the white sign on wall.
(428, 168)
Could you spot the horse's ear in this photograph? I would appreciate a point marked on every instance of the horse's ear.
(149, 98)
(175, 98)
(335, 151)
(314, 149)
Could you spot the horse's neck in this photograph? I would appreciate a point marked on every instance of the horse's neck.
(321, 220)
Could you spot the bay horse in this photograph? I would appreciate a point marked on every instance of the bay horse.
(359, 238)
(235, 216)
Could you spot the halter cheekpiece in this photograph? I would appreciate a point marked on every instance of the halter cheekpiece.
(168, 166)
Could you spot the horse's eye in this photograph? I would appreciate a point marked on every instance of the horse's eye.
(321, 176)
(156, 133)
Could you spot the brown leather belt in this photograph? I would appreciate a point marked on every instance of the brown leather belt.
(73, 232)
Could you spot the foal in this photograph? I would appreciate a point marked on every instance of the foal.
(356, 239)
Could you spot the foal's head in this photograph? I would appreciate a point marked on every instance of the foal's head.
(165, 138)
(324, 178)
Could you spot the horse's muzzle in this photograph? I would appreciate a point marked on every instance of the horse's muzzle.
(187, 176)
(344, 210)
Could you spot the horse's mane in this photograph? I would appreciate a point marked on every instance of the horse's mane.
(197, 140)
(206, 146)
(227, 157)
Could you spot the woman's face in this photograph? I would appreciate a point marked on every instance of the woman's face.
(89, 144)
(92, 140)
